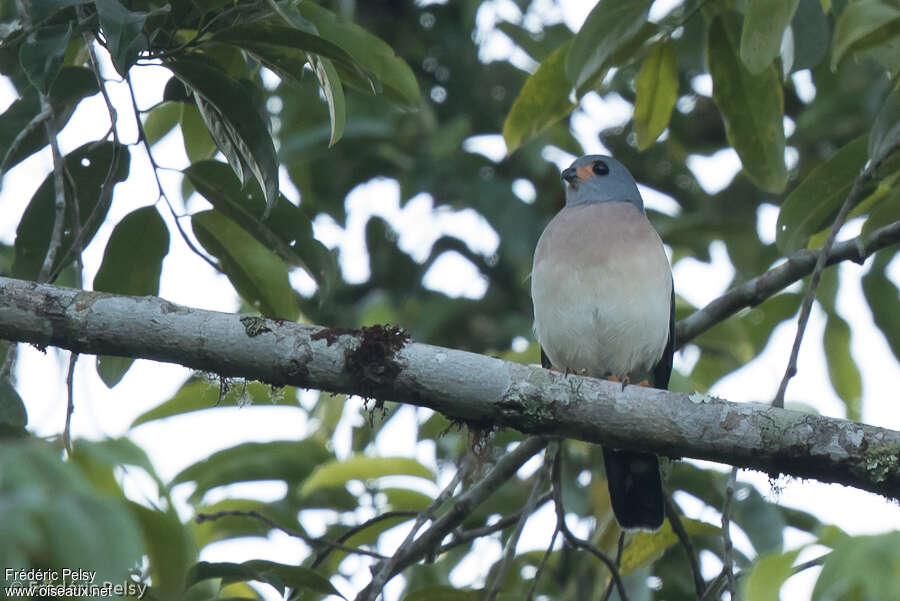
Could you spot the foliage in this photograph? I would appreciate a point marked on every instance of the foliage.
(347, 109)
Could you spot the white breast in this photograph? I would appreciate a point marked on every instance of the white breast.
(601, 287)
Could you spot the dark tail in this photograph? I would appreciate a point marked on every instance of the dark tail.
(635, 488)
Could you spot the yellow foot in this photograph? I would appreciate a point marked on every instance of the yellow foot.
(625, 380)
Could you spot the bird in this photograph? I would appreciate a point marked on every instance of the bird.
(604, 307)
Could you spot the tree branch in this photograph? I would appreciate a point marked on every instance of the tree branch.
(799, 265)
(380, 362)
(462, 506)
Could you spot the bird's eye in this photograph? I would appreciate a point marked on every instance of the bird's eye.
(600, 168)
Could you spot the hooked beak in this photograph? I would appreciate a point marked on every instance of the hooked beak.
(570, 176)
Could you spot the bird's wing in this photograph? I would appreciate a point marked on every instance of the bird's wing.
(663, 368)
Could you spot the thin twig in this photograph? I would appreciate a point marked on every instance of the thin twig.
(513, 541)
(461, 506)
(573, 540)
(678, 528)
(542, 565)
(320, 557)
(6, 372)
(311, 541)
(383, 572)
(59, 190)
(810, 564)
(101, 83)
(852, 198)
(70, 406)
(728, 555)
(142, 138)
(620, 547)
(465, 536)
(797, 266)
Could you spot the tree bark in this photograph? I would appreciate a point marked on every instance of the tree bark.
(381, 363)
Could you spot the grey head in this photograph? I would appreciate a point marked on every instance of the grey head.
(598, 178)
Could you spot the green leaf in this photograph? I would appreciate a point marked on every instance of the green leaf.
(97, 460)
(198, 143)
(70, 87)
(656, 89)
(41, 9)
(41, 56)
(132, 261)
(543, 101)
(89, 167)
(861, 568)
(360, 467)
(258, 275)
(752, 107)
(233, 120)
(272, 41)
(13, 416)
(883, 297)
(646, 547)
(884, 212)
(161, 120)
(287, 460)
(767, 576)
(885, 136)
(375, 56)
(53, 517)
(842, 369)
(170, 549)
(863, 23)
(330, 83)
(812, 205)
(287, 230)
(445, 593)
(609, 25)
(812, 34)
(538, 45)
(198, 395)
(276, 574)
(764, 26)
(123, 31)
(132, 264)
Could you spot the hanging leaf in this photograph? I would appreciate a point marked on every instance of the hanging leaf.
(842, 369)
(286, 231)
(132, 264)
(123, 31)
(609, 25)
(233, 119)
(70, 87)
(276, 574)
(656, 89)
(256, 272)
(96, 168)
(42, 54)
(369, 51)
(751, 105)
(358, 467)
(812, 206)
(273, 41)
(885, 136)
(543, 101)
(862, 568)
(763, 30)
(861, 24)
(883, 297)
(767, 576)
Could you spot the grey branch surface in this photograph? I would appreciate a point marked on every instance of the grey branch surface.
(799, 265)
(381, 363)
